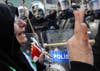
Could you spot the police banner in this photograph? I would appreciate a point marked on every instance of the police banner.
(60, 56)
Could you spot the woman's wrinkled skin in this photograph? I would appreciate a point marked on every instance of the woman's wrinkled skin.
(19, 28)
(78, 44)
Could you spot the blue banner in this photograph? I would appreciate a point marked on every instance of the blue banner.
(60, 56)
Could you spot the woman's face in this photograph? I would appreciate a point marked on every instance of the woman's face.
(19, 29)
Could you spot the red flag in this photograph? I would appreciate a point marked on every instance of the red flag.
(35, 51)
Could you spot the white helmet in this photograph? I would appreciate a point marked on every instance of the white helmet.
(55, 67)
(38, 9)
(23, 11)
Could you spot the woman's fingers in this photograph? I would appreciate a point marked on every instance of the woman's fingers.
(84, 34)
(81, 15)
(77, 29)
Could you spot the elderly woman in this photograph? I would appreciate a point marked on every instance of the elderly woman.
(12, 36)
(11, 58)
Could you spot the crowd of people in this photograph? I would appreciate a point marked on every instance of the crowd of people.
(83, 56)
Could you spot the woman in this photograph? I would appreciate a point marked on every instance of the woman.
(11, 58)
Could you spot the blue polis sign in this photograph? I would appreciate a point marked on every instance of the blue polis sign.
(60, 56)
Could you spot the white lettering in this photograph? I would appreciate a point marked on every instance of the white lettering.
(58, 56)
